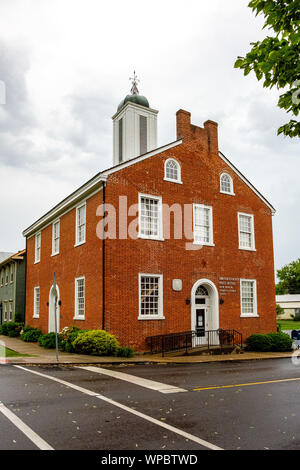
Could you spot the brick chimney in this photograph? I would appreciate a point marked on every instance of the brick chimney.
(208, 136)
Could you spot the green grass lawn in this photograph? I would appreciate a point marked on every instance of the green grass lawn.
(289, 324)
(5, 352)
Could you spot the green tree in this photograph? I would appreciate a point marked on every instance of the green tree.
(276, 59)
(289, 279)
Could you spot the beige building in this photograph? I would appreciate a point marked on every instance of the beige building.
(291, 305)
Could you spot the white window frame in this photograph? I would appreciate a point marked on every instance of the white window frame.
(77, 242)
(231, 192)
(76, 314)
(254, 314)
(159, 235)
(37, 254)
(160, 315)
(211, 230)
(178, 180)
(55, 252)
(36, 305)
(5, 311)
(10, 311)
(12, 273)
(252, 248)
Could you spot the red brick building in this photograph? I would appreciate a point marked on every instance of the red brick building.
(211, 266)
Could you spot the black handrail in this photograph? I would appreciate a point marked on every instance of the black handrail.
(194, 339)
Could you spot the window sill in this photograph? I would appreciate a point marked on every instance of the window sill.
(37, 262)
(78, 318)
(151, 317)
(35, 316)
(247, 249)
(55, 254)
(203, 244)
(173, 181)
(249, 315)
(80, 243)
(144, 237)
(228, 194)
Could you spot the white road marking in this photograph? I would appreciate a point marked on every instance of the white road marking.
(162, 424)
(33, 436)
(151, 384)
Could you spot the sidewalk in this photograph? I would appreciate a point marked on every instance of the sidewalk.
(39, 356)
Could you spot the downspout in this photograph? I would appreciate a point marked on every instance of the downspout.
(25, 293)
(103, 258)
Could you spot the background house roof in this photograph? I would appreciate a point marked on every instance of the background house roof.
(4, 255)
(288, 298)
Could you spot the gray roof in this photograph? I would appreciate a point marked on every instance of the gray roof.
(288, 298)
(4, 255)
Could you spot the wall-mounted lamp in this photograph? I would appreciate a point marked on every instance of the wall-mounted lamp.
(221, 301)
(187, 301)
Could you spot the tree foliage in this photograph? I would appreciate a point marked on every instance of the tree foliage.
(289, 279)
(276, 59)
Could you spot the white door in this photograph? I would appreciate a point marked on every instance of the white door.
(51, 321)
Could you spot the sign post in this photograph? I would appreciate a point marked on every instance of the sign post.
(55, 316)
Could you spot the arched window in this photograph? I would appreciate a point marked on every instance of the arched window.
(201, 290)
(172, 171)
(226, 184)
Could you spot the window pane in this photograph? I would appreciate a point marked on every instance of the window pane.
(149, 217)
(202, 224)
(246, 234)
(80, 293)
(172, 170)
(247, 297)
(149, 295)
(226, 184)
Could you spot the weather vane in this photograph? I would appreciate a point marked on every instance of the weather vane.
(134, 89)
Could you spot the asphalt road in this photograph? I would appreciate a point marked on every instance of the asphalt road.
(245, 405)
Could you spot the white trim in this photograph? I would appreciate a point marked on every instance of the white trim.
(247, 182)
(51, 323)
(160, 315)
(214, 305)
(178, 180)
(74, 199)
(76, 315)
(37, 260)
(139, 159)
(36, 315)
(211, 230)
(252, 248)
(159, 236)
(57, 221)
(77, 243)
(254, 314)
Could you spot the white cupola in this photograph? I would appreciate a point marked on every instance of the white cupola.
(135, 126)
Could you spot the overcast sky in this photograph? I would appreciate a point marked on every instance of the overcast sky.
(66, 64)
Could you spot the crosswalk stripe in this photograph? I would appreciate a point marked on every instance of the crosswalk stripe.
(164, 425)
(32, 435)
(151, 384)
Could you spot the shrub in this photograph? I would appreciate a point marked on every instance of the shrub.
(259, 342)
(270, 342)
(67, 335)
(280, 341)
(47, 341)
(125, 352)
(11, 328)
(96, 343)
(30, 335)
